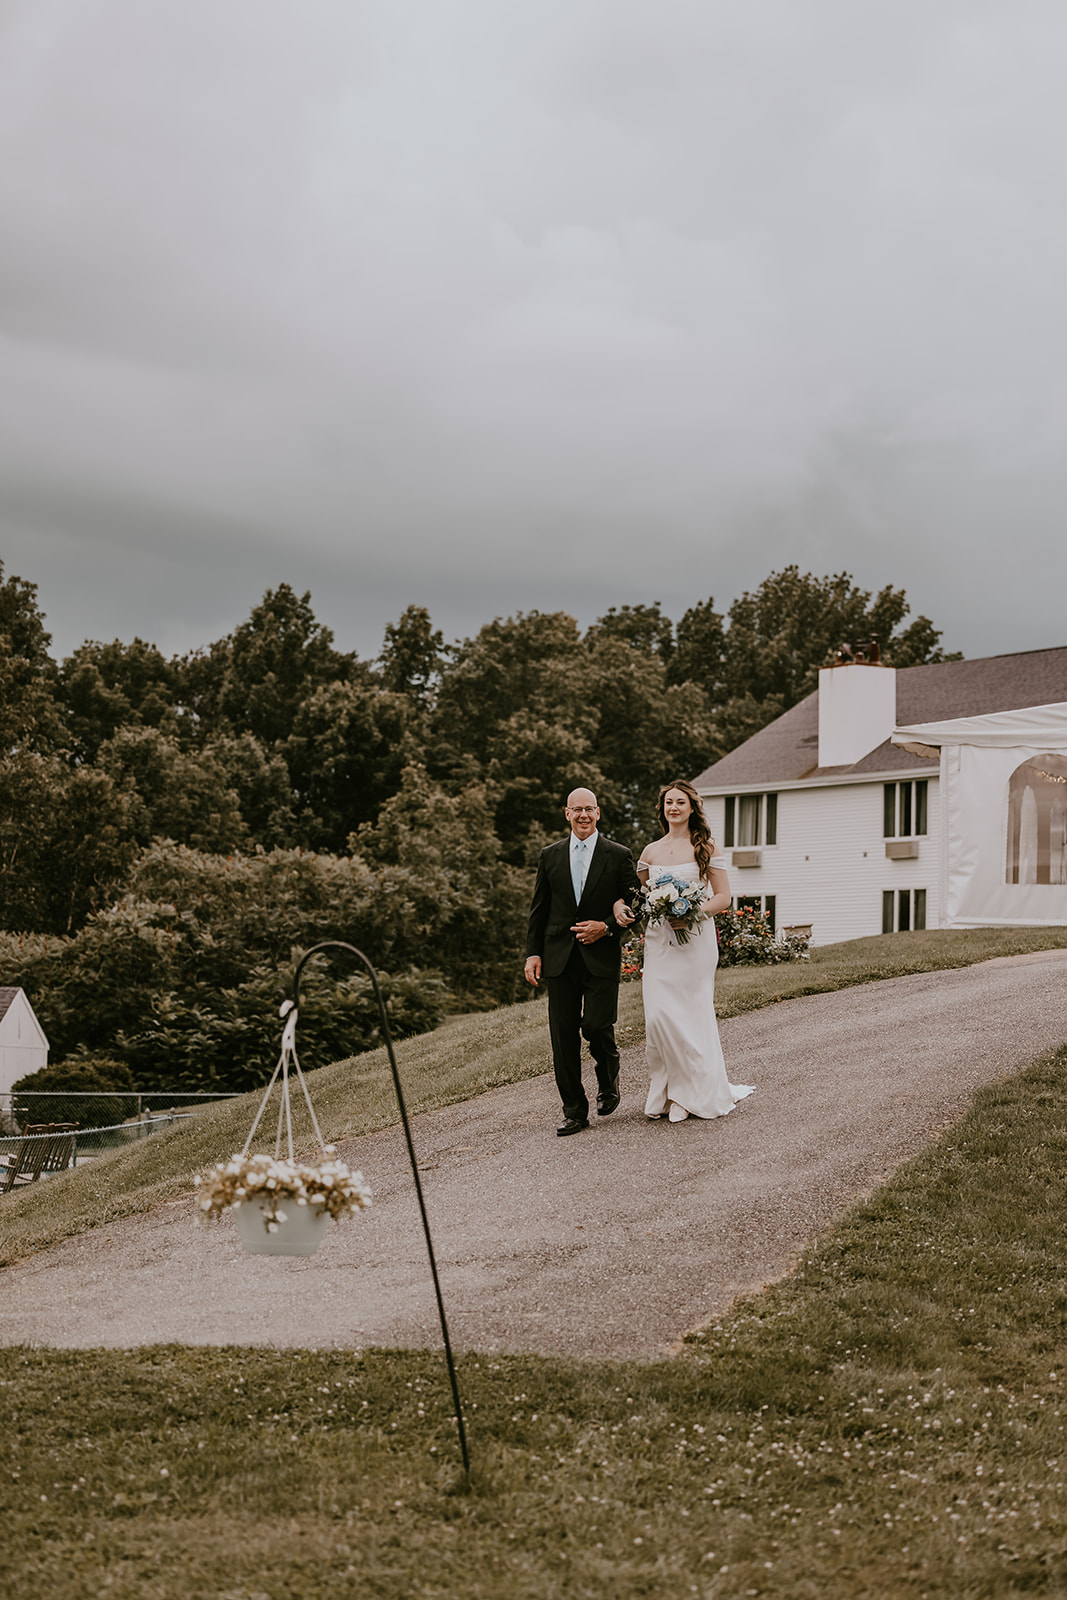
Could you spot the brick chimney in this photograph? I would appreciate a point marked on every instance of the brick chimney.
(857, 711)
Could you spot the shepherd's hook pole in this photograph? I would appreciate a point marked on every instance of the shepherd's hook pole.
(339, 944)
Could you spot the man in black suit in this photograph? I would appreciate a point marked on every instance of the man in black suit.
(573, 942)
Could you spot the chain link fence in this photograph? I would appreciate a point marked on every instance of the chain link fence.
(98, 1120)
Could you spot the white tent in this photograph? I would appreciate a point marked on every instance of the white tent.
(1003, 814)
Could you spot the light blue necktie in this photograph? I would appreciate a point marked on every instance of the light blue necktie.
(577, 869)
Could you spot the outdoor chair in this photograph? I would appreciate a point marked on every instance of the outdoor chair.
(36, 1153)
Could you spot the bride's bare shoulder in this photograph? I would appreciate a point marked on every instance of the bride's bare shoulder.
(652, 853)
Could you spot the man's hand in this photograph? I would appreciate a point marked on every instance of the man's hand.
(589, 932)
(532, 970)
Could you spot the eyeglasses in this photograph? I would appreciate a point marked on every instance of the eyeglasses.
(583, 811)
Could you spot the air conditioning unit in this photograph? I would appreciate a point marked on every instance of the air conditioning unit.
(901, 849)
(747, 858)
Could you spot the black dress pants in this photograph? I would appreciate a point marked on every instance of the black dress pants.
(582, 1004)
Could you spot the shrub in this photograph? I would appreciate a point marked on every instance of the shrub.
(64, 1082)
(747, 939)
(230, 1039)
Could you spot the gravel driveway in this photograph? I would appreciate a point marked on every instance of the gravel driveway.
(611, 1243)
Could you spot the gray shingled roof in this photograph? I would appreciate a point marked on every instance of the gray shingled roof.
(787, 750)
(6, 998)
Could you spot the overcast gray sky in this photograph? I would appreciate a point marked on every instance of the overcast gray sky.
(489, 306)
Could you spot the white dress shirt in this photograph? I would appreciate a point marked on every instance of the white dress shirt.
(590, 846)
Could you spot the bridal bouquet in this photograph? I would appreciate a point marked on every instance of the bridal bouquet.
(674, 900)
(327, 1187)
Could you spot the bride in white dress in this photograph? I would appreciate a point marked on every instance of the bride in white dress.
(682, 1046)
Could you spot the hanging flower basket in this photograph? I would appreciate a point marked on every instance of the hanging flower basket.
(281, 1204)
(281, 1207)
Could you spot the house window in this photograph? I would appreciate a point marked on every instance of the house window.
(903, 909)
(764, 903)
(904, 808)
(751, 819)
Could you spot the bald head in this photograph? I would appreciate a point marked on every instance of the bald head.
(582, 812)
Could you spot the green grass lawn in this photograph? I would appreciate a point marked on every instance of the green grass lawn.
(887, 1421)
(463, 1058)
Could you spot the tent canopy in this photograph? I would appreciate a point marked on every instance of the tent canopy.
(1034, 727)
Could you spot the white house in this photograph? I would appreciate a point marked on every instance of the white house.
(830, 824)
(23, 1046)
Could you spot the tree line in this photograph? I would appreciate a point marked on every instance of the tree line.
(212, 812)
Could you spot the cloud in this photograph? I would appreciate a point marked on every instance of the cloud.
(491, 307)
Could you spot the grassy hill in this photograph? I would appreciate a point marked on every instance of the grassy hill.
(464, 1057)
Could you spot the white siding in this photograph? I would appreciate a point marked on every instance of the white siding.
(829, 866)
(23, 1046)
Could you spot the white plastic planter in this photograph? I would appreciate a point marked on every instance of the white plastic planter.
(299, 1235)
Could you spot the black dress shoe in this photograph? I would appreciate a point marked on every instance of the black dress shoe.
(571, 1125)
(607, 1103)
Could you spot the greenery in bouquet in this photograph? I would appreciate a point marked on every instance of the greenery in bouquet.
(677, 901)
(329, 1187)
(747, 939)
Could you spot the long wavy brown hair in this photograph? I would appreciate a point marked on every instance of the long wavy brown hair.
(699, 832)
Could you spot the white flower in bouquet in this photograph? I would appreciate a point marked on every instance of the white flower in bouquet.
(674, 900)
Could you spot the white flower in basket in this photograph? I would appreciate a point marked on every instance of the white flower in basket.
(281, 1205)
(284, 1203)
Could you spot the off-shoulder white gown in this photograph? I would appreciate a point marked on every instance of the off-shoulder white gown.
(682, 1048)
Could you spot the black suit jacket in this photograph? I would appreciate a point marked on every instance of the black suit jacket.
(611, 875)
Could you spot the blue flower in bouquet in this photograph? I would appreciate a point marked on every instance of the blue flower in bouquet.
(675, 900)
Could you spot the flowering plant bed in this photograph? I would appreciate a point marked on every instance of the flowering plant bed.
(271, 1183)
(746, 939)
(633, 958)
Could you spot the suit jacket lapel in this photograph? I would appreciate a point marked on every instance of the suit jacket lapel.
(596, 866)
(563, 870)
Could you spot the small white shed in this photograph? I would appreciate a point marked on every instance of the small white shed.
(23, 1045)
(1003, 816)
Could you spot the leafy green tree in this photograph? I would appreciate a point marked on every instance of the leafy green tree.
(261, 782)
(278, 658)
(648, 732)
(67, 840)
(175, 793)
(644, 628)
(699, 649)
(200, 679)
(532, 710)
(740, 717)
(413, 655)
(29, 718)
(107, 687)
(783, 632)
(514, 711)
(522, 664)
(349, 745)
(451, 838)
